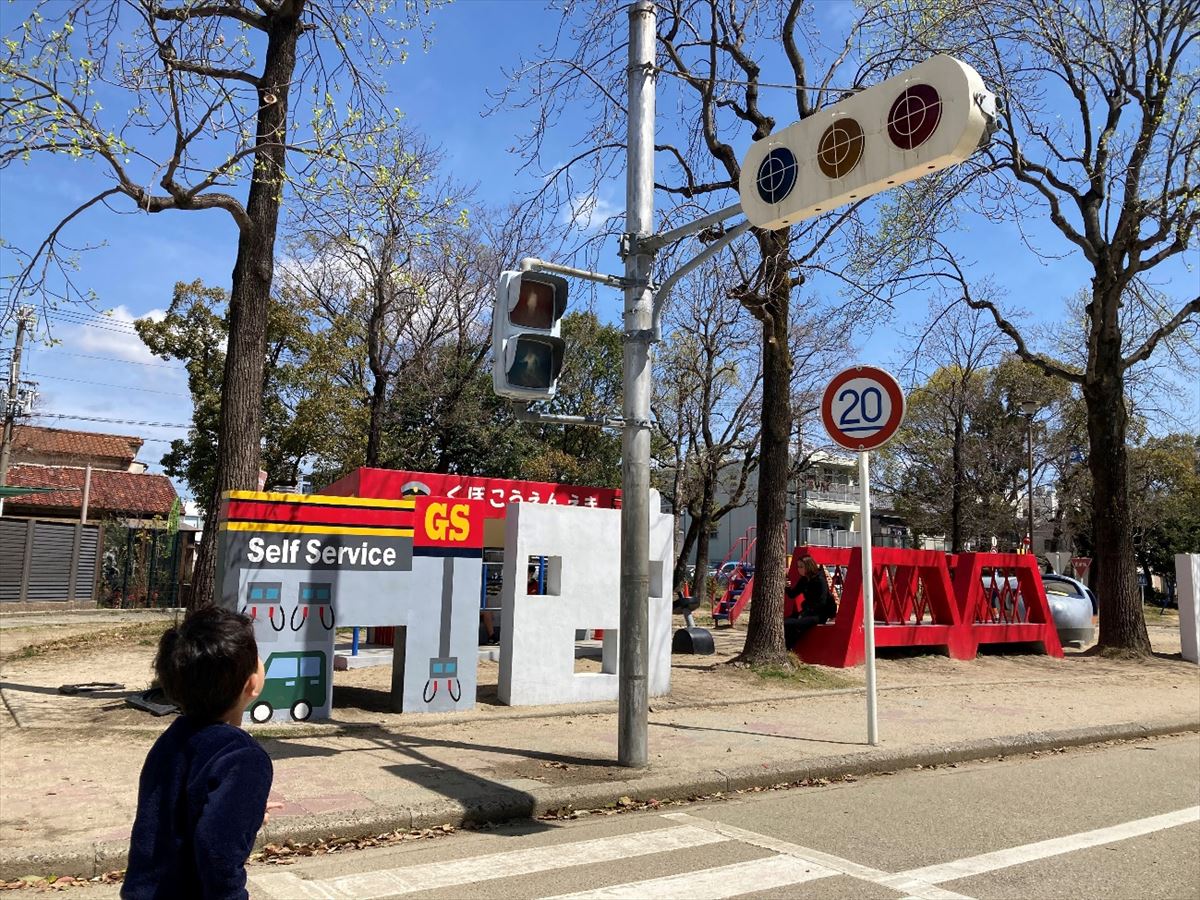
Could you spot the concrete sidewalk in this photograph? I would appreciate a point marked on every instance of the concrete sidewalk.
(68, 795)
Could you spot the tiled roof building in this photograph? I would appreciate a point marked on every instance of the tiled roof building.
(112, 493)
(64, 447)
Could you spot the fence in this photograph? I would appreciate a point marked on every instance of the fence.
(47, 562)
(142, 567)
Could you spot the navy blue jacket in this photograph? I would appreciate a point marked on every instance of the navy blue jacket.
(201, 800)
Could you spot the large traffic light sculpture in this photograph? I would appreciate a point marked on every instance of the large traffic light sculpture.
(527, 352)
(930, 117)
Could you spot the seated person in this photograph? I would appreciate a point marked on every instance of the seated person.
(817, 608)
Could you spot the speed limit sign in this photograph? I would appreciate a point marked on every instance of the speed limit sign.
(862, 408)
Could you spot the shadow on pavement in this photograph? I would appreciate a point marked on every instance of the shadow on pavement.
(472, 791)
(783, 737)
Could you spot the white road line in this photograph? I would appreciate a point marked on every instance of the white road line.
(913, 887)
(455, 872)
(1015, 856)
(714, 883)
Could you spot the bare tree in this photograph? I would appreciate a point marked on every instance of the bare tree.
(362, 253)
(706, 405)
(202, 102)
(1101, 137)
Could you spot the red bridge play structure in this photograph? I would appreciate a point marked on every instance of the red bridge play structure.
(923, 598)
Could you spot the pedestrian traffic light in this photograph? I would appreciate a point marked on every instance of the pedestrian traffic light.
(930, 117)
(527, 352)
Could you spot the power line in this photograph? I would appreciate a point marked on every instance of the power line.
(128, 362)
(110, 421)
(120, 387)
(118, 326)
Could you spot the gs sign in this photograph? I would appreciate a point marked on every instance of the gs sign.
(448, 523)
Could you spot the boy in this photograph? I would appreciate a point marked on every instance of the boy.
(203, 791)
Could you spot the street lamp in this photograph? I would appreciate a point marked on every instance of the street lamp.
(1029, 409)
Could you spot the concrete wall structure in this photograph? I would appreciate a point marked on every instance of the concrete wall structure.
(1187, 579)
(582, 591)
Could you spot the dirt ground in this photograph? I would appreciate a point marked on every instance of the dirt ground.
(34, 662)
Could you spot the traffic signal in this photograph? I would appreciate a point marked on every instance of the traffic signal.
(932, 116)
(527, 352)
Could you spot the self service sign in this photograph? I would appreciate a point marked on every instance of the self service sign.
(301, 566)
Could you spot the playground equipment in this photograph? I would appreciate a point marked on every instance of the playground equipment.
(928, 599)
(739, 588)
(690, 639)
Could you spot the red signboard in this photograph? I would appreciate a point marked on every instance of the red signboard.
(448, 523)
(494, 493)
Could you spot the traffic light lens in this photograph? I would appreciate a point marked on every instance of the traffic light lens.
(534, 365)
(535, 305)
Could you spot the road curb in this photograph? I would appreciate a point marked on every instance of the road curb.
(503, 804)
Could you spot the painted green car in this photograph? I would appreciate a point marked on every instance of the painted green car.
(296, 681)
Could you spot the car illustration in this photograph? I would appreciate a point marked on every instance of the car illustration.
(296, 681)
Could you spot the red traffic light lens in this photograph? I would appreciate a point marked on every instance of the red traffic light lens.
(535, 305)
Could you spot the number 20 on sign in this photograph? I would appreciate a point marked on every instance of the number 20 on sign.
(862, 408)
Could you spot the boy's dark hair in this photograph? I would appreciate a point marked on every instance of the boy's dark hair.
(203, 664)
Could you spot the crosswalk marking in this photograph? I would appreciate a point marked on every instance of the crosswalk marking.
(792, 864)
(451, 873)
(1015, 856)
(912, 887)
(714, 883)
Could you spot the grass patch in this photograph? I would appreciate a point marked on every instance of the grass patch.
(800, 674)
(1153, 611)
(144, 634)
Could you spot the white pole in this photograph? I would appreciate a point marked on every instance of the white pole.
(864, 479)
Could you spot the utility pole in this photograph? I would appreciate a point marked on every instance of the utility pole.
(24, 317)
(633, 699)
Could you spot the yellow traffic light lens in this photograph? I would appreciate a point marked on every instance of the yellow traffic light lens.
(535, 305)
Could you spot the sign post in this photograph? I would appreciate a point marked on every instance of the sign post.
(862, 408)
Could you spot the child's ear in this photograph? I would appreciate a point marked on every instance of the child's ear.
(254, 684)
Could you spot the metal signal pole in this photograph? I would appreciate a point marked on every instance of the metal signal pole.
(24, 315)
(635, 435)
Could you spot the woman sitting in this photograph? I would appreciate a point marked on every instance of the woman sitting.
(817, 608)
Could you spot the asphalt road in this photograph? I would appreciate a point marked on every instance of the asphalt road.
(1117, 821)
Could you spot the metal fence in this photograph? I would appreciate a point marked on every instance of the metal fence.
(141, 567)
(47, 562)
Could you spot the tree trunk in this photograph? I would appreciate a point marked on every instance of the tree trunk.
(679, 576)
(375, 425)
(1122, 624)
(240, 431)
(704, 523)
(764, 639)
(700, 577)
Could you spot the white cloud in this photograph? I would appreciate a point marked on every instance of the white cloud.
(589, 212)
(117, 339)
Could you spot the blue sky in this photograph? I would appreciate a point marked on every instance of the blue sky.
(442, 92)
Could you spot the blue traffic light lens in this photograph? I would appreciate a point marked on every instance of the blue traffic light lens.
(535, 305)
(534, 365)
(776, 175)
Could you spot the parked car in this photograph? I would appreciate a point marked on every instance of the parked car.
(725, 572)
